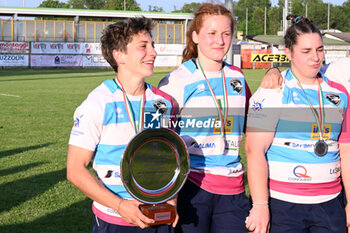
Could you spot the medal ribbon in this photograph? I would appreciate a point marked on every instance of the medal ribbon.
(127, 103)
(319, 118)
(222, 116)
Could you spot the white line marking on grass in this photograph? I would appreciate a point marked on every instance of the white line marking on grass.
(17, 96)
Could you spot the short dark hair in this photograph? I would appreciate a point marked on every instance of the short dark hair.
(300, 25)
(118, 35)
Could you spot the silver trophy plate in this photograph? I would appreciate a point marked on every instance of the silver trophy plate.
(155, 165)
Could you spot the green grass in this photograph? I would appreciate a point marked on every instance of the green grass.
(35, 122)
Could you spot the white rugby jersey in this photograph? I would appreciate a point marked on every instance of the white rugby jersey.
(214, 167)
(296, 173)
(102, 125)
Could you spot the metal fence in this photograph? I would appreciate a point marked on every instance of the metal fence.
(69, 31)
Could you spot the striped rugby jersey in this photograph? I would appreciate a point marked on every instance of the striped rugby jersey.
(296, 173)
(215, 164)
(101, 124)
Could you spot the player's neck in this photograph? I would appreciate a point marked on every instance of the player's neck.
(131, 85)
(210, 65)
(306, 80)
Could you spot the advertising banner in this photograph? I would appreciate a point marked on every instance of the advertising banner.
(165, 61)
(269, 58)
(94, 61)
(91, 48)
(14, 60)
(169, 49)
(56, 48)
(14, 47)
(56, 60)
(332, 57)
(65, 48)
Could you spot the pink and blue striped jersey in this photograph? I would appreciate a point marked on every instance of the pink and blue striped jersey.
(102, 125)
(215, 164)
(296, 173)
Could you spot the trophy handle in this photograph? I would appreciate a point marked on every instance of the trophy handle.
(162, 213)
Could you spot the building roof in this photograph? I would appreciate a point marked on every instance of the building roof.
(278, 40)
(345, 36)
(61, 12)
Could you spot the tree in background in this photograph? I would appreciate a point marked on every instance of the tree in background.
(131, 5)
(155, 9)
(53, 4)
(189, 7)
(87, 4)
(274, 16)
(317, 11)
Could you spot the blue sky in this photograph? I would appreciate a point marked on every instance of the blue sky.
(167, 5)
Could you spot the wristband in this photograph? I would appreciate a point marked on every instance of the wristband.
(261, 204)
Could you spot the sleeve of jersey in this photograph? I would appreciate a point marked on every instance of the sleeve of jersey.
(345, 131)
(248, 95)
(87, 127)
(170, 86)
(264, 109)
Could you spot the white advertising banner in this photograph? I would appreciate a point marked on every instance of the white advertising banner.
(332, 57)
(165, 61)
(169, 49)
(14, 47)
(94, 61)
(65, 48)
(14, 60)
(56, 60)
(91, 48)
(56, 48)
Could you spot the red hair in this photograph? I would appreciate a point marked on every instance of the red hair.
(206, 9)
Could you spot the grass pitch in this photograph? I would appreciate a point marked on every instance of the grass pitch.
(36, 118)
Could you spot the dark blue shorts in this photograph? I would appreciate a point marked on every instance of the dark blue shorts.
(101, 226)
(327, 217)
(204, 212)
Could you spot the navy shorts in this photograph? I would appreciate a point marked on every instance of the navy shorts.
(327, 217)
(101, 226)
(203, 212)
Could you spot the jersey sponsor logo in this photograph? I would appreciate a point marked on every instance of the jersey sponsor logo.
(236, 85)
(257, 105)
(296, 96)
(300, 175)
(200, 87)
(269, 58)
(298, 145)
(228, 126)
(326, 132)
(232, 144)
(160, 106)
(111, 173)
(77, 121)
(334, 98)
(335, 170)
(207, 145)
(300, 172)
(234, 170)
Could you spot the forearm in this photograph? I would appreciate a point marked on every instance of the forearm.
(257, 173)
(256, 146)
(92, 188)
(77, 172)
(345, 175)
